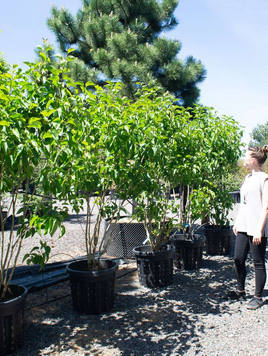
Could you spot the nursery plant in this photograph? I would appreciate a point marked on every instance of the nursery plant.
(155, 146)
(160, 122)
(215, 148)
(99, 163)
(211, 151)
(220, 148)
(27, 99)
(31, 103)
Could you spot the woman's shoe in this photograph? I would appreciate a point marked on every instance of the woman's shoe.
(255, 303)
(236, 295)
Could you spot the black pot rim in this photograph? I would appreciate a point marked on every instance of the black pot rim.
(216, 227)
(197, 237)
(91, 272)
(7, 302)
(136, 250)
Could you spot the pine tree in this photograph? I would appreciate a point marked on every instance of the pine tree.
(120, 40)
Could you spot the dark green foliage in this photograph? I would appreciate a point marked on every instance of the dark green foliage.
(120, 40)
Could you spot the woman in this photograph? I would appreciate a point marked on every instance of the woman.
(251, 226)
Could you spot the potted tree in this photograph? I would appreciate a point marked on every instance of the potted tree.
(221, 148)
(83, 161)
(189, 161)
(157, 164)
(155, 259)
(22, 143)
(100, 160)
(217, 229)
(93, 278)
(211, 150)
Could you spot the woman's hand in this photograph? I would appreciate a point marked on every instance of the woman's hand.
(257, 239)
(235, 230)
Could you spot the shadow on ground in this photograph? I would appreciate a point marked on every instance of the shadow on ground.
(163, 321)
(76, 218)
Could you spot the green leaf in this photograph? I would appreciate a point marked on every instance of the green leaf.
(5, 123)
(35, 122)
(48, 113)
(3, 96)
(47, 135)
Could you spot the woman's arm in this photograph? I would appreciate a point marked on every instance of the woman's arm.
(235, 230)
(242, 197)
(263, 217)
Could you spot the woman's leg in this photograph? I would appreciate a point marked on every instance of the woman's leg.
(240, 255)
(258, 255)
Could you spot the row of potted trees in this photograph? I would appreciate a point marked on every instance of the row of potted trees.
(77, 142)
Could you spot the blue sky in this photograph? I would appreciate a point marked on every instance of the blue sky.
(230, 37)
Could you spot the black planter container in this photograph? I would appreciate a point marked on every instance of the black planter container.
(12, 320)
(155, 268)
(188, 254)
(92, 291)
(218, 240)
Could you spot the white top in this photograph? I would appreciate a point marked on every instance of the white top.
(251, 203)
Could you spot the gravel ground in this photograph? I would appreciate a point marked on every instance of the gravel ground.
(189, 317)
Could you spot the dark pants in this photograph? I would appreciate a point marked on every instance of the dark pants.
(243, 244)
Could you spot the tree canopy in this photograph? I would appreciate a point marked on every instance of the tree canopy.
(120, 40)
(259, 135)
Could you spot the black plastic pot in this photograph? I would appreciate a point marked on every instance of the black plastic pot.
(92, 291)
(12, 320)
(189, 252)
(155, 269)
(218, 240)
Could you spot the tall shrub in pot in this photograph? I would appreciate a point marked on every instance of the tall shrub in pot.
(158, 157)
(27, 98)
(155, 259)
(219, 148)
(104, 156)
(212, 150)
(215, 203)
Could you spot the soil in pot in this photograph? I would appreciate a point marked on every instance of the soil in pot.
(92, 291)
(189, 252)
(12, 319)
(155, 269)
(218, 240)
